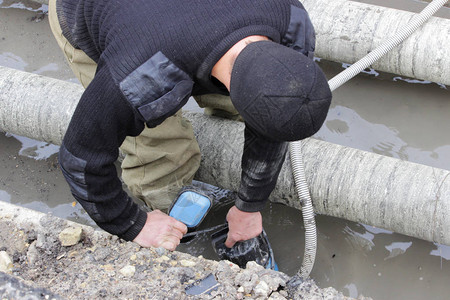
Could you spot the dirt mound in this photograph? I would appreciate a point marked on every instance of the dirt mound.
(51, 258)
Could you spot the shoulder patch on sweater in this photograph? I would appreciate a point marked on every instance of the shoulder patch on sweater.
(300, 35)
(157, 89)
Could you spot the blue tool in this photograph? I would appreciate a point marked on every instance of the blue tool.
(191, 207)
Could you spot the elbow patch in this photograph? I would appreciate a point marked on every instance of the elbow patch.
(300, 34)
(73, 169)
(157, 89)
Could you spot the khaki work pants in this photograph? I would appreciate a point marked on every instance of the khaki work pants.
(160, 160)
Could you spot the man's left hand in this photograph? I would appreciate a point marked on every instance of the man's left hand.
(242, 226)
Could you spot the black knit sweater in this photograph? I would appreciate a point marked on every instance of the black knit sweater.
(186, 37)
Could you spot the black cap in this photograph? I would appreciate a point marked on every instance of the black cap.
(280, 93)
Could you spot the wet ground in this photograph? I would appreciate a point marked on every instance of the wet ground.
(381, 113)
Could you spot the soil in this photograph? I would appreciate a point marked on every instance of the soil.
(45, 264)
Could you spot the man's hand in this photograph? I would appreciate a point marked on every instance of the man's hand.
(161, 230)
(242, 226)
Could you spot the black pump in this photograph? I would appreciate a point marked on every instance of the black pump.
(256, 249)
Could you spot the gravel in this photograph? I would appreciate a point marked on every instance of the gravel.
(49, 258)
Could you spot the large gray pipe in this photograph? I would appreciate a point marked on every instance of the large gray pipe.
(384, 192)
(348, 30)
(347, 183)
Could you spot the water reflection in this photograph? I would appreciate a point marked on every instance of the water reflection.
(67, 211)
(408, 80)
(352, 290)
(4, 196)
(25, 5)
(11, 60)
(33, 180)
(346, 127)
(368, 71)
(359, 241)
(27, 43)
(51, 67)
(442, 251)
(376, 230)
(397, 248)
(35, 149)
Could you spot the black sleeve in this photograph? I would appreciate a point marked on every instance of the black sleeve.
(261, 164)
(90, 147)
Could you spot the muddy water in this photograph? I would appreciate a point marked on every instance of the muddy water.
(374, 112)
(395, 117)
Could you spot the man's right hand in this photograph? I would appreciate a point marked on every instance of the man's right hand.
(161, 230)
(242, 226)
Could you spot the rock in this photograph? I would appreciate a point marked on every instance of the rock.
(226, 271)
(6, 263)
(162, 259)
(249, 285)
(70, 236)
(40, 241)
(32, 253)
(242, 277)
(128, 271)
(160, 251)
(274, 282)
(234, 267)
(253, 266)
(247, 280)
(15, 288)
(16, 240)
(187, 263)
(262, 289)
(178, 275)
(143, 255)
(102, 253)
(276, 296)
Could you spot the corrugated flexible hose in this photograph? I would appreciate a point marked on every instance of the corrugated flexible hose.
(295, 152)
